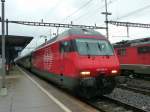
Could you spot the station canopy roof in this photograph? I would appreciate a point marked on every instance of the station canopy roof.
(14, 45)
(14, 40)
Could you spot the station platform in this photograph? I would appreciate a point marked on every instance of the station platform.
(27, 93)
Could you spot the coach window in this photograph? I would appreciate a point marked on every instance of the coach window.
(121, 52)
(143, 49)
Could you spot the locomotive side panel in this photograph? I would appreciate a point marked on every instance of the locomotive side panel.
(125, 55)
(46, 62)
(144, 54)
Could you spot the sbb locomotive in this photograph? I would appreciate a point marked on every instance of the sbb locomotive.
(80, 60)
(134, 56)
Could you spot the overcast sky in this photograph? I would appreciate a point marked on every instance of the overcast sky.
(85, 12)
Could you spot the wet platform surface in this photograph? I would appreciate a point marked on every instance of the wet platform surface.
(25, 96)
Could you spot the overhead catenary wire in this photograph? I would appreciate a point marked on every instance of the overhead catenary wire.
(128, 24)
(118, 18)
(76, 11)
(133, 12)
(93, 12)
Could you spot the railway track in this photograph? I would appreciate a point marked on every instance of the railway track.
(135, 85)
(142, 90)
(145, 78)
(106, 104)
(130, 78)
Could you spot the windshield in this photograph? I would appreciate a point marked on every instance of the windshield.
(93, 47)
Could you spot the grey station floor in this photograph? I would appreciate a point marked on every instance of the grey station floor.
(27, 93)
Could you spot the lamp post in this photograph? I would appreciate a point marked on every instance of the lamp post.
(3, 90)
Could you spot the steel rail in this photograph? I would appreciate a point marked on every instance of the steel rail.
(106, 104)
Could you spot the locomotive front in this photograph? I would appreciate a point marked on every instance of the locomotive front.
(97, 65)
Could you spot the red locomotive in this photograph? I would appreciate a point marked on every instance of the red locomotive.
(134, 56)
(81, 60)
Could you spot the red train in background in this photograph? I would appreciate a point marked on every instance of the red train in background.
(81, 60)
(134, 56)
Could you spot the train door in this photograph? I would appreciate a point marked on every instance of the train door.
(62, 61)
(64, 49)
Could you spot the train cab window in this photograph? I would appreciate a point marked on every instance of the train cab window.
(143, 49)
(121, 52)
(66, 46)
(93, 47)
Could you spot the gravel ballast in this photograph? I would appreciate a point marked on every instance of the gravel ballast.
(129, 97)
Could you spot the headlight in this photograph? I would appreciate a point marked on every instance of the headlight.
(114, 71)
(85, 73)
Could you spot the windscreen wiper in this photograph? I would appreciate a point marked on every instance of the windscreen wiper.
(88, 49)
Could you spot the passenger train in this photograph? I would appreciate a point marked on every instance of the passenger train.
(81, 60)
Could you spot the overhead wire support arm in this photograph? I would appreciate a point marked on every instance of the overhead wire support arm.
(106, 13)
(129, 24)
(55, 25)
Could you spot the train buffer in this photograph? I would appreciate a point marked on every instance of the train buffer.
(25, 94)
